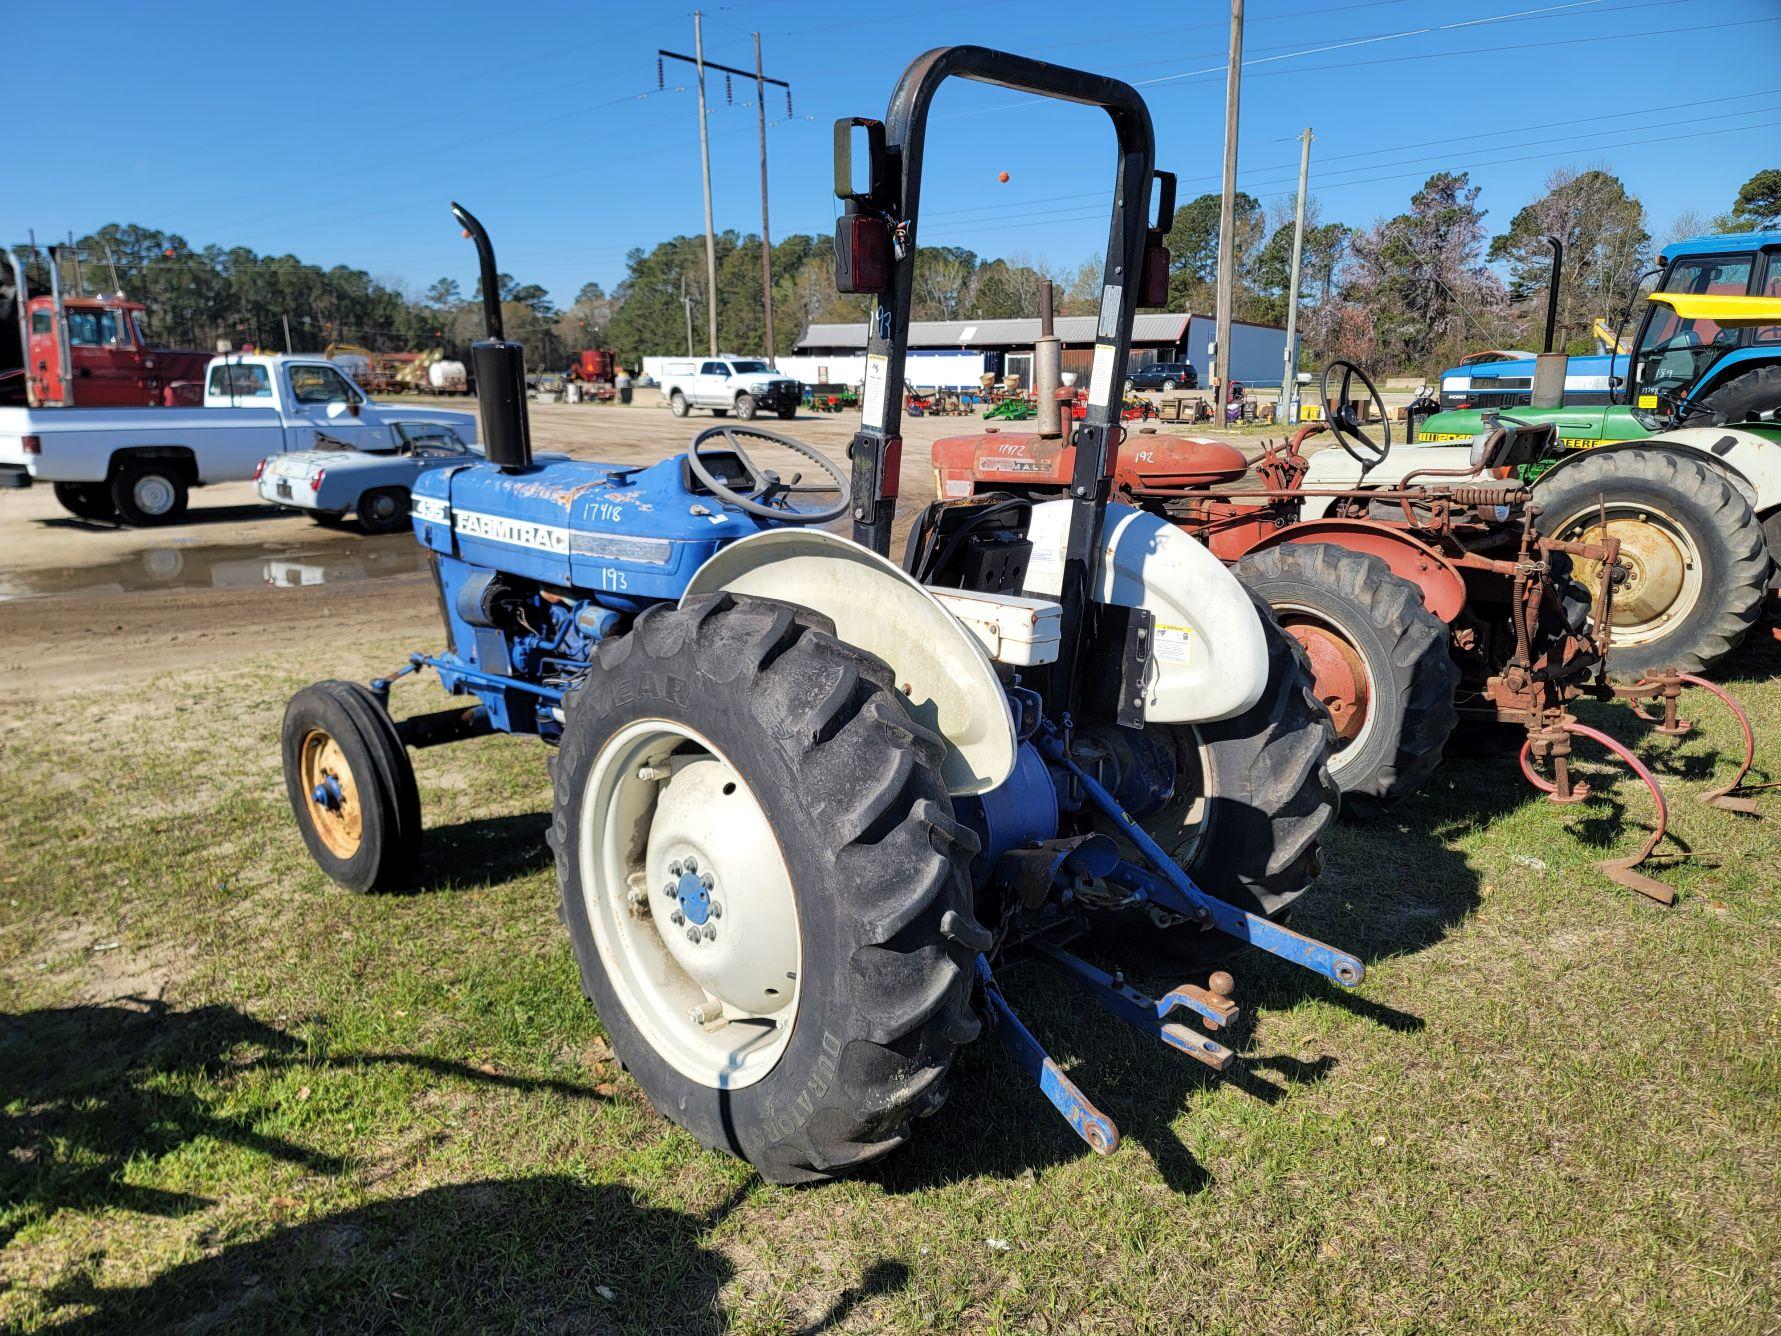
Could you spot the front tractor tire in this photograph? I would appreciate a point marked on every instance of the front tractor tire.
(764, 884)
(351, 786)
(1696, 559)
(1379, 663)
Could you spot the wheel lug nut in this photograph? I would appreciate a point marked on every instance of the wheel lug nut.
(710, 932)
(717, 910)
(692, 934)
(674, 868)
(707, 880)
(668, 889)
(677, 918)
(692, 864)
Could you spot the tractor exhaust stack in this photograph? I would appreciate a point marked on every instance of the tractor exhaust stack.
(499, 365)
(1550, 367)
(1047, 368)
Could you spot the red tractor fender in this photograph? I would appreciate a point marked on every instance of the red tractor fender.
(1443, 588)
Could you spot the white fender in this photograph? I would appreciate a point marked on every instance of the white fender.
(948, 682)
(1210, 654)
(1752, 462)
(1333, 466)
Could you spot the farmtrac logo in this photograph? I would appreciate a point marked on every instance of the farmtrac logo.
(516, 533)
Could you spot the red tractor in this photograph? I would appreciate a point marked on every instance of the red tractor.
(1416, 605)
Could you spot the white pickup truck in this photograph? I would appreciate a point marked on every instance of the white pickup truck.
(738, 385)
(137, 465)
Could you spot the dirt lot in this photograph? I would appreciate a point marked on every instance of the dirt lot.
(233, 1096)
(87, 603)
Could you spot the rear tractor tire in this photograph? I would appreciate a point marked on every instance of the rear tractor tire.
(1253, 801)
(1739, 399)
(351, 786)
(86, 501)
(765, 887)
(1379, 662)
(1695, 553)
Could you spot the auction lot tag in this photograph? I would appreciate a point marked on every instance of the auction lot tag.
(877, 378)
(1100, 383)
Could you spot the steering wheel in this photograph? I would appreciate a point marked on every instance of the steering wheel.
(766, 501)
(1349, 434)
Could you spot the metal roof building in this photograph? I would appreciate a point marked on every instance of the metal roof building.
(959, 352)
(1149, 330)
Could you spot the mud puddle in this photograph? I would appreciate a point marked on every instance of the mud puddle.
(190, 565)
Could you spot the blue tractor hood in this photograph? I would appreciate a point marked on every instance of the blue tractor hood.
(605, 528)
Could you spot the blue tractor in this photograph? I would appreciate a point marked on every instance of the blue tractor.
(807, 807)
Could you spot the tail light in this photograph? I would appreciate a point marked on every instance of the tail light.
(315, 483)
(33, 445)
(259, 469)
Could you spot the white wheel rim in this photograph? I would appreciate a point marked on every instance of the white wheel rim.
(1662, 563)
(152, 494)
(1344, 752)
(719, 1009)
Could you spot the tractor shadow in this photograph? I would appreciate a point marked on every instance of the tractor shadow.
(87, 1090)
(544, 1253)
(1393, 885)
(485, 851)
(547, 1252)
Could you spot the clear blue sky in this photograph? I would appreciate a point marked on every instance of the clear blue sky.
(339, 132)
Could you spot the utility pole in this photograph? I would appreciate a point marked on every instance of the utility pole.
(705, 160)
(686, 304)
(1289, 382)
(760, 113)
(288, 346)
(1227, 209)
(760, 102)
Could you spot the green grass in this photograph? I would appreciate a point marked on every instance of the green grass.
(232, 1095)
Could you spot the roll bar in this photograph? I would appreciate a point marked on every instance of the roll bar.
(876, 243)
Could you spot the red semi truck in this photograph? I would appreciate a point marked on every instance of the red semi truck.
(86, 352)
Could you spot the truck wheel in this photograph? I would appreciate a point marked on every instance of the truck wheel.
(1254, 799)
(148, 492)
(745, 407)
(764, 884)
(1697, 562)
(351, 786)
(1739, 399)
(84, 500)
(1379, 663)
(1168, 385)
(788, 414)
(677, 404)
(383, 510)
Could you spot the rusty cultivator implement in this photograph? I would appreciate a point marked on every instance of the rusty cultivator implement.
(1419, 602)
